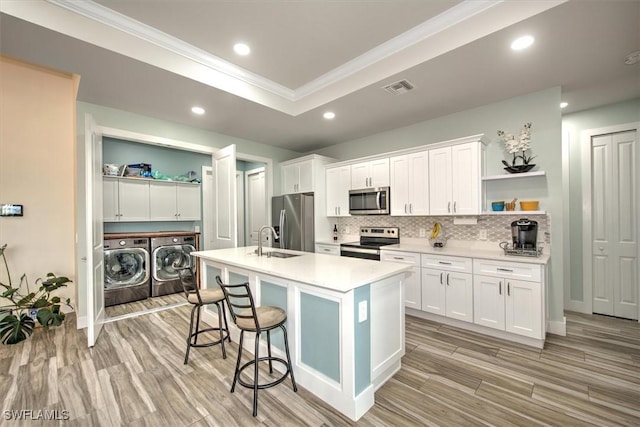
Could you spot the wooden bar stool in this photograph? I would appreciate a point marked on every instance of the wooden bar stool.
(249, 318)
(198, 298)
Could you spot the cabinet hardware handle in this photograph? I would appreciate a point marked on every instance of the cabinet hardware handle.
(410, 208)
(338, 210)
(449, 207)
(508, 289)
(454, 206)
(441, 278)
(405, 208)
(444, 262)
(398, 257)
(506, 270)
(500, 288)
(447, 279)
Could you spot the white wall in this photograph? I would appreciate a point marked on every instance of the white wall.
(37, 164)
(540, 108)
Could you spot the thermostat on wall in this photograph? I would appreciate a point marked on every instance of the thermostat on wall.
(11, 210)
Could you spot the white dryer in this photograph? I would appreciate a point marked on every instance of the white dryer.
(167, 253)
(126, 270)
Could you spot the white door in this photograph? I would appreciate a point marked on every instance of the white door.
(207, 208)
(242, 241)
(418, 183)
(94, 232)
(440, 181)
(459, 300)
(379, 173)
(225, 225)
(433, 291)
(522, 308)
(614, 221)
(399, 181)
(256, 205)
(488, 301)
(465, 182)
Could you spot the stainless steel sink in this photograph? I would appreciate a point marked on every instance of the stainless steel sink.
(280, 254)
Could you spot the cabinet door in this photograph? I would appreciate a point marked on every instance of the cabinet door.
(379, 173)
(413, 289)
(399, 181)
(488, 301)
(338, 185)
(459, 300)
(524, 308)
(188, 202)
(433, 291)
(305, 176)
(465, 186)
(418, 181)
(133, 199)
(162, 201)
(110, 211)
(440, 181)
(328, 249)
(360, 175)
(290, 178)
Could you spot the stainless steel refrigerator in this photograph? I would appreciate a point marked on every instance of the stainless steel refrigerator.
(292, 215)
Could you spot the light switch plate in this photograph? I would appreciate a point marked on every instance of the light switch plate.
(482, 234)
(362, 311)
(423, 232)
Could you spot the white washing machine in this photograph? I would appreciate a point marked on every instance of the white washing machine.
(126, 270)
(166, 254)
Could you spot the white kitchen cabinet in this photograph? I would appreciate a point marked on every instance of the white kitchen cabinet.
(297, 177)
(413, 280)
(174, 201)
(338, 182)
(370, 174)
(125, 199)
(455, 179)
(328, 249)
(502, 300)
(409, 181)
(447, 286)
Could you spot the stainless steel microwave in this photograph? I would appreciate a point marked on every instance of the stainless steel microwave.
(370, 201)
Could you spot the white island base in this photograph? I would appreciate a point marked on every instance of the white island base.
(345, 318)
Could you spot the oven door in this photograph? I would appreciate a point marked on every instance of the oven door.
(369, 201)
(360, 252)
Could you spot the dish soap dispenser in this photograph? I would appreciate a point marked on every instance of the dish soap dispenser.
(335, 232)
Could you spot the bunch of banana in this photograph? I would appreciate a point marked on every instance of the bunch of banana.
(436, 230)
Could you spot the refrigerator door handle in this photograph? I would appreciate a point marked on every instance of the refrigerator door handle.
(283, 234)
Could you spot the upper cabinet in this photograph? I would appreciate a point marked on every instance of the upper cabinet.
(300, 175)
(174, 201)
(338, 186)
(125, 199)
(455, 179)
(370, 174)
(409, 180)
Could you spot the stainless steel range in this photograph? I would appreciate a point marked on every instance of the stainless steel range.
(371, 240)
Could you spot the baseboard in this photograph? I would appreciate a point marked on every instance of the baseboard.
(81, 322)
(577, 306)
(557, 327)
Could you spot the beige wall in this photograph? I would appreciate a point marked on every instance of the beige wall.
(37, 170)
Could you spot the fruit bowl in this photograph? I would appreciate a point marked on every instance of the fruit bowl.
(529, 205)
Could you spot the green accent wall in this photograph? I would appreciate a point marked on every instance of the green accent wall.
(320, 335)
(362, 337)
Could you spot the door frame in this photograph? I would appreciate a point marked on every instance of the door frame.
(585, 143)
(158, 141)
(246, 198)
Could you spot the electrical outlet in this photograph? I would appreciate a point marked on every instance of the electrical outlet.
(362, 311)
(482, 234)
(197, 228)
(423, 232)
(347, 230)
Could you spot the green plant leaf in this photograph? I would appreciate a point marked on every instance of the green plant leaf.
(26, 300)
(14, 329)
(50, 317)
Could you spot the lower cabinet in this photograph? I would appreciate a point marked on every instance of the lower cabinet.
(412, 282)
(447, 286)
(328, 249)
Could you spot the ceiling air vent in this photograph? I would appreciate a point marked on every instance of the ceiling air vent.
(398, 88)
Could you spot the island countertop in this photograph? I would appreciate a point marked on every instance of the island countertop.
(341, 274)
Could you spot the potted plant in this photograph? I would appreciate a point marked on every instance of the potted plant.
(19, 311)
(515, 145)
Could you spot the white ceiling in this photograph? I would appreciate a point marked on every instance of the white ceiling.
(159, 58)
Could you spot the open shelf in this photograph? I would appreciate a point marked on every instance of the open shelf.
(514, 213)
(513, 175)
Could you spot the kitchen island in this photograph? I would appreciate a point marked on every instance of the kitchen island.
(345, 317)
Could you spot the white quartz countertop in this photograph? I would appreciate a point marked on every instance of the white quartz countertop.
(470, 249)
(341, 274)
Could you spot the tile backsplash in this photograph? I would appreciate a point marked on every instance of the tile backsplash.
(498, 227)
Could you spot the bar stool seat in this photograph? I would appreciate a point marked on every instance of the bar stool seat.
(199, 298)
(249, 318)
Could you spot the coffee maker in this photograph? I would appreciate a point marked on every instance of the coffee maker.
(524, 234)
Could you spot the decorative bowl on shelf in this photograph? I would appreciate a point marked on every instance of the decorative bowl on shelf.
(529, 205)
(497, 206)
(519, 168)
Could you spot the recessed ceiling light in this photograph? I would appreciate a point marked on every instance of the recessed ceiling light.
(564, 104)
(522, 42)
(242, 49)
(329, 115)
(197, 110)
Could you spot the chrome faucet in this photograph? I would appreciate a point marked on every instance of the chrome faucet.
(267, 227)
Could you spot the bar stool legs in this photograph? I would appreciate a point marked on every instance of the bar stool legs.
(223, 330)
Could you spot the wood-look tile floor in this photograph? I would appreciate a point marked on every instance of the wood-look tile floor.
(134, 376)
